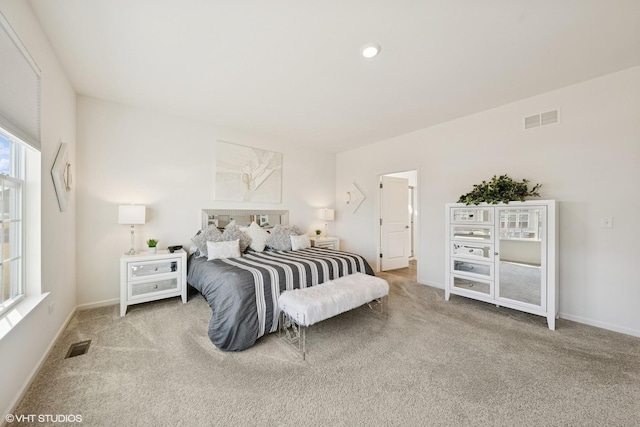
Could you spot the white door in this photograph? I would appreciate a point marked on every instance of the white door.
(394, 223)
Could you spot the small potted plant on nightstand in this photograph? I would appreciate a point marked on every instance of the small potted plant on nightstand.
(318, 232)
(152, 243)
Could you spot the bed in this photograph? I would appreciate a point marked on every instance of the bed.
(243, 291)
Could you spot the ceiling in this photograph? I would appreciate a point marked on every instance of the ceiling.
(291, 70)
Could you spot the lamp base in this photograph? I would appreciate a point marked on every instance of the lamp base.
(131, 251)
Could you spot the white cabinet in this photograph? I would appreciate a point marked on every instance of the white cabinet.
(149, 277)
(325, 242)
(504, 254)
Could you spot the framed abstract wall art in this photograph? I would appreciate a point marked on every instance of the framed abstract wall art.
(247, 174)
(61, 175)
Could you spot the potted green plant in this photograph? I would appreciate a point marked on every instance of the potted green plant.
(500, 189)
(318, 232)
(152, 243)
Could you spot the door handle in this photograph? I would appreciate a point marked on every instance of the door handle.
(406, 226)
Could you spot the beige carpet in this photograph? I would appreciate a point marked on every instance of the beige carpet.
(430, 363)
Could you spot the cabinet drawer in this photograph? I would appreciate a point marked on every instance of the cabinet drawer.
(472, 215)
(471, 286)
(143, 289)
(138, 270)
(478, 251)
(481, 270)
(474, 233)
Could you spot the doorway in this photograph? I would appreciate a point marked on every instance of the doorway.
(398, 225)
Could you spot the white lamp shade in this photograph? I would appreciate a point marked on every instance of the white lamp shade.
(131, 214)
(326, 214)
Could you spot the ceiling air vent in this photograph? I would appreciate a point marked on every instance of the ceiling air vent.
(542, 119)
(549, 118)
(532, 121)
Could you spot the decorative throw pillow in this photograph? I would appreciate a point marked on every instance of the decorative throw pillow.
(258, 237)
(300, 242)
(280, 239)
(211, 233)
(232, 232)
(292, 230)
(225, 249)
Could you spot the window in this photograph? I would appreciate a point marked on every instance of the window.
(12, 183)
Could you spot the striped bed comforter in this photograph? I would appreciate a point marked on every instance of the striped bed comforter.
(243, 292)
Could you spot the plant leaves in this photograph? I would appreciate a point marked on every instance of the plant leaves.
(500, 189)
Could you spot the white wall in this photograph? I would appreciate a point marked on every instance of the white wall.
(127, 155)
(589, 163)
(24, 346)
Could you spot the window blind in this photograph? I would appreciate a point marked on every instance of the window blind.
(19, 88)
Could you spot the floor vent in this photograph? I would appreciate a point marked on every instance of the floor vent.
(542, 119)
(78, 349)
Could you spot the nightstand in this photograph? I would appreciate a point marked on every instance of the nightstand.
(148, 277)
(325, 242)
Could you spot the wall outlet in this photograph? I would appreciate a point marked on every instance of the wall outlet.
(51, 307)
(607, 222)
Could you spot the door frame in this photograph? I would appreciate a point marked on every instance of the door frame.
(416, 219)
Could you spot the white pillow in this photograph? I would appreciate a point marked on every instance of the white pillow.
(300, 242)
(219, 250)
(258, 237)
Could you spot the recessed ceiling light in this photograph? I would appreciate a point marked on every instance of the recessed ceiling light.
(370, 50)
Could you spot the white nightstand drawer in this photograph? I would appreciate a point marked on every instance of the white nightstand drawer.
(150, 268)
(325, 242)
(147, 277)
(139, 290)
(326, 245)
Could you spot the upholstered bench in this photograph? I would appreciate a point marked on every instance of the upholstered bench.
(301, 308)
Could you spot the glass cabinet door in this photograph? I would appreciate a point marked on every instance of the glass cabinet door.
(520, 270)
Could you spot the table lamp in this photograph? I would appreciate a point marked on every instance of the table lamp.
(326, 215)
(131, 215)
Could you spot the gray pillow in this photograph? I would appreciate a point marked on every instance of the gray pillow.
(279, 238)
(209, 234)
(291, 230)
(233, 232)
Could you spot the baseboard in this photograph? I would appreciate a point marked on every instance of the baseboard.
(433, 285)
(601, 325)
(97, 304)
(573, 318)
(34, 373)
